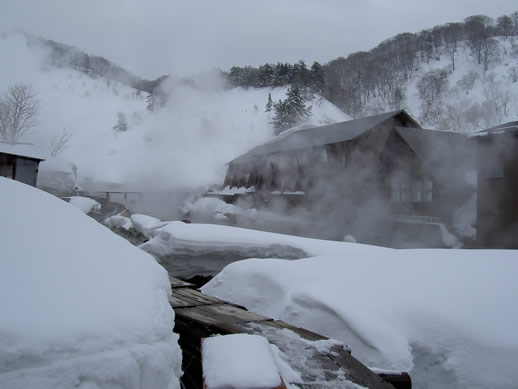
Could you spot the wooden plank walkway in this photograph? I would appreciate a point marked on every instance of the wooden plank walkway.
(198, 316)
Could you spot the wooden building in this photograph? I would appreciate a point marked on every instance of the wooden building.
(19, 162)
(362, 177)
(497, 192)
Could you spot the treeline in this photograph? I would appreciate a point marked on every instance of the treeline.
(281, 74)
(382, 72)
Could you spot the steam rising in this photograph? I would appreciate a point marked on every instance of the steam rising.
(186, 143)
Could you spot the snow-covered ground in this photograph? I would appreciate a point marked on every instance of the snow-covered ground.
(79, 306)
(447, 316)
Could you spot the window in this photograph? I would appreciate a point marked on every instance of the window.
(6, 166)
(496, 170)
(428, 190)
(26, 171)
(303, 158)
(416, 191)
(396, 190)
(324, 155)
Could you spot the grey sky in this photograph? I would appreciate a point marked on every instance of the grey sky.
(154, 37)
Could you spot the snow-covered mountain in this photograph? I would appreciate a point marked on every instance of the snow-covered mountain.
(446, 88)
(473, 99)
(187, 142)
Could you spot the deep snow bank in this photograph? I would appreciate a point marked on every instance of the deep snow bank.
(79, 306)
(187, 250)
(447, 316)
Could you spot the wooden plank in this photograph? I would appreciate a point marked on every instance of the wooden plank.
(213, 315)
(186, 299)
(196, 297)
(176, 283)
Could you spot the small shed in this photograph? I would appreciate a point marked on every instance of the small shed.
(20, 162)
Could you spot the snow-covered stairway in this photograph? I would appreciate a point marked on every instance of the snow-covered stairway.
(320, 361)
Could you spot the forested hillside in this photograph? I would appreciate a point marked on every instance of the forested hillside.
(455, 76)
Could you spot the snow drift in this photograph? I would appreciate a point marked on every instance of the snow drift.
(444, 315)
(187, 250)
(80, 306)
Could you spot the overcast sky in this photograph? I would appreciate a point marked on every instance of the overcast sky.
(155, 37)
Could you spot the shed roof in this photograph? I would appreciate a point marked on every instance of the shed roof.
(510, 127)
(317, 136)
(26, 150)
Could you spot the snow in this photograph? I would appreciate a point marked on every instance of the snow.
(119, 221)
(22, 149)
(239, 361)
(445, 316)
(147, 225)
(203, 249)
(201, 114)
(84, 204)
(80, 306)
(57, 176)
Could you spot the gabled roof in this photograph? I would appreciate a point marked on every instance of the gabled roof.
(317, 136)
(26, 150)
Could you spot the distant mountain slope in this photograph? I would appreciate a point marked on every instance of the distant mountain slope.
(62, 55)
(457, 76)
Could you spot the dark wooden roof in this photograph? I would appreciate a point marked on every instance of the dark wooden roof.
(318, 136)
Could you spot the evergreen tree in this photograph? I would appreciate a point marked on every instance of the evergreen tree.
(317, 77)
(291, 111)
(269, 104)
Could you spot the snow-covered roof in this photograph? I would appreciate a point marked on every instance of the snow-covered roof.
(510, 127)
(23, 150)
(317, 136)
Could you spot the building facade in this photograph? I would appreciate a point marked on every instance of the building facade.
(373, 177)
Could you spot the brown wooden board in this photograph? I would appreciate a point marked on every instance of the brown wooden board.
(217, 314)
(196, 297)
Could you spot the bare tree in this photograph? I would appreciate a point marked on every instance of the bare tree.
(18, 113)
(489, 51)
(60, 142)
(467, 82)
(432, 88)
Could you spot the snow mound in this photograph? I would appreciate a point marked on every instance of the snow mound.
(81, 307)
(443, 315)
(203, 249)
(57, 176)
(147, 225)
(118, 221)
(239, 361)
(84, 204)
